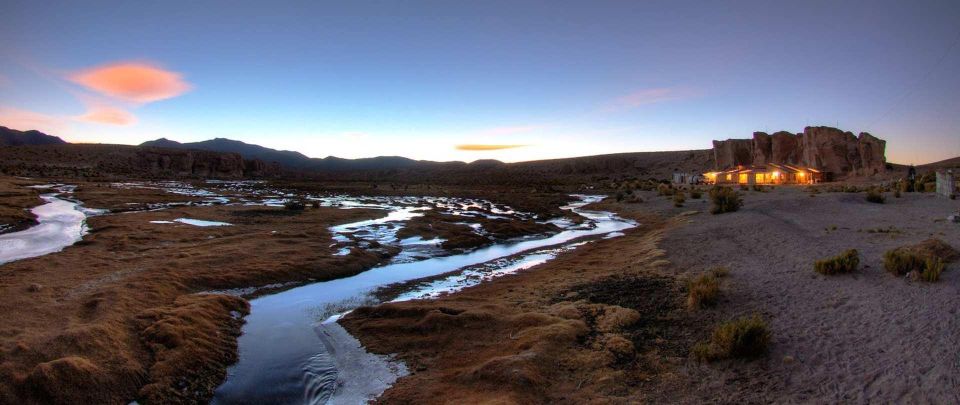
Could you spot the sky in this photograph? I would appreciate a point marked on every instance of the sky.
(507, 80)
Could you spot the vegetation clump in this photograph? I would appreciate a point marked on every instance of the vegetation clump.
(875, 195)
(720, 272)
(845, 262)
(703, 291)
(746, 337)
(678, 198)
(724, 199)
(665, 190)
(696, 194)
(924, 261)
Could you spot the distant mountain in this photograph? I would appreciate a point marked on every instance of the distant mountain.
(290, 159)
(286, 158)
(13, 137)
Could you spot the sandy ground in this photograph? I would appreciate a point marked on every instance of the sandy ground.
(865, 337)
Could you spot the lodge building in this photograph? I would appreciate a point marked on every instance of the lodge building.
(771, 174)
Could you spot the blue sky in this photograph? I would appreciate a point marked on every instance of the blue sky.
(416, 79)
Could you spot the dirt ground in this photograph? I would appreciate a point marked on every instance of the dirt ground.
(863, 337)
(15, 203)
(115, 317)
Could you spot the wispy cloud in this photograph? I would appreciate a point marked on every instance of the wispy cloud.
(138, 82)
(104, 114)
(645, 97)
(486, 147)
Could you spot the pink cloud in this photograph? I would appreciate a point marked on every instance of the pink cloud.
(644, 97)
(104, 114)
(138, 82)
(26, 120)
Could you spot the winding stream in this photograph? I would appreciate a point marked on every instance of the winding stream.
(293, 351)
(60, 223)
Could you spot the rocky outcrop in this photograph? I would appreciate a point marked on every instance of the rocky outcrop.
(827, 149)
(157, 161)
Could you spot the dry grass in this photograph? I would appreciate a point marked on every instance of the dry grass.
(845, 262)
(720, 272)
(875, 195)
(678, 198)
(746, 337)
(925, 260)
(703, 292)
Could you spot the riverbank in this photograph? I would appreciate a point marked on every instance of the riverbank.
(118, 315)
(565, 331)
(16, 200)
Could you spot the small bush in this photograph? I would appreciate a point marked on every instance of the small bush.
(664, 189)
(678, 198)
(896, 192)
(845, 262)
(746, 337)
(925, 260)
(696, 194)
(744, 187)
(901, 261)
(724, 199)
(875, 195)
(703, 292)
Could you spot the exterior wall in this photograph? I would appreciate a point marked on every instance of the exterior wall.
(947, 184)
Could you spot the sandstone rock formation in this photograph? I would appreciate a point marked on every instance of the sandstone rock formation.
(827, 149)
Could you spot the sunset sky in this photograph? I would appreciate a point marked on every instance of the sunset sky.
(511, 80)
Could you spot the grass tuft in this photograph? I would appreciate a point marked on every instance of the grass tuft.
(845, 262)
(703, 292)
(724, 199)
(875, 195)
(746, 337)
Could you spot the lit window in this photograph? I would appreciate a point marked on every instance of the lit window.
(759, 177)
(729, 177)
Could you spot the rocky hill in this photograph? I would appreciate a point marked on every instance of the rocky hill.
(830, 150)
(13, 137)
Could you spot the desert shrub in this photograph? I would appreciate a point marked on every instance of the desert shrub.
(703, 291)
(875, 195)
(757, 187)
(926, 259)
(724, 199)
(720, 272)
(678, 198)
(696, 194)
(746, 337)
(635, 199)
(901, 261)
(744, 187)
(294, 205)
(664, 189)
(619, 196)
(896, 192)
(845, 262)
